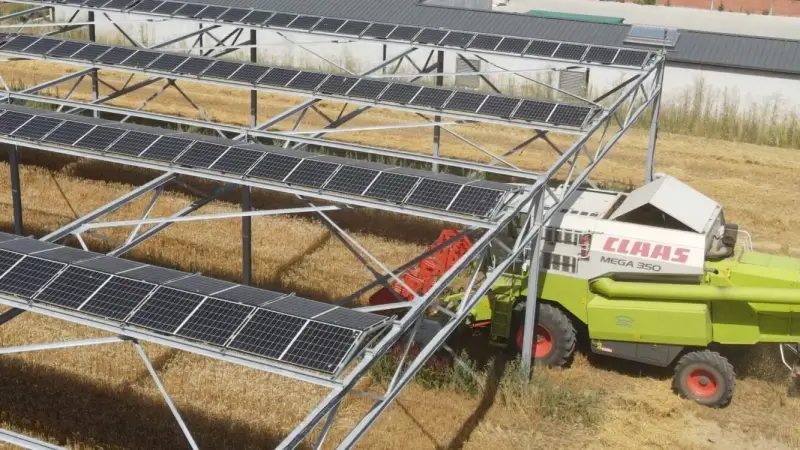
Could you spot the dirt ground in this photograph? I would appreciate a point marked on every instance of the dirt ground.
(101, 397)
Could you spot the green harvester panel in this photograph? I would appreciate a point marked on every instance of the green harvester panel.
(649, 321)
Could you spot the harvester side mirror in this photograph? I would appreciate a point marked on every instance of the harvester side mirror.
(585, 244)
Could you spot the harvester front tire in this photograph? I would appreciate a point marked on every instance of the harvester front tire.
(705, 377)
(555, 337)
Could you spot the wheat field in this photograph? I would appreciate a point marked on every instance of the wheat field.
(102, 397)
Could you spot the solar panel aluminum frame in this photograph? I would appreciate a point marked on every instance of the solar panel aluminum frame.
(649, 54)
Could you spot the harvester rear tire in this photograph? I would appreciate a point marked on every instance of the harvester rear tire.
(556, 336)
(705, 377)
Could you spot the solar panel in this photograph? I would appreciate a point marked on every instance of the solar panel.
(257, 17)
(133, 143)
(512, 45)
(167, 63)
(485, 42)
(36, 128)
(400, 93)
(379, 30)
(431, 97)
(345, 317)
(249, 73)
(336, 84)
(368, 89)
(353, 27)
(199, 284)
(630, 58)
(11, 120)
(307, 81)
(189, 10)
(300, 307)
(311, 173)
(73, 2)
(100, 138)
(329, 25)
(165, 310)
(234, 15)
(67, 255)
(391, 187)
(215, 321)
(118, 4)
(8, 259)
(141, 59)
(498, 106)
(404, 33)
(166, 148)
(28, 276)
(42, 46)
(541, 48)
(96, 3)
(201, 154)
(321, 346)
(249, 295)
(351, 180)
(267, 334)
(117, 298)
(66, 49)
(4, 237)
(211, 12)
(115, 56)
(603, 55)
(236, 160)
(569, 115)
(68, 132)
(91, 52)
(274, 167)
(533, 110)
(146, 5)
(476, 201)
(465, 101)
(109, 264)
(193, 66)
(221, 69)
(154, 274)
(18, 43)
(280, 20)
(304, 22)
(168, 8)
(431, 36)
(570, 51)
(27, 246)
(433, 194)
(72, 287)
(278, 77)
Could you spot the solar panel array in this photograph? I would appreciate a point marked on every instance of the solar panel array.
(501, 44)
(374, 182)
(182, 306)
(349, 88)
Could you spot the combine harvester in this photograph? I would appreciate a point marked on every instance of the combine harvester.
(655, 276)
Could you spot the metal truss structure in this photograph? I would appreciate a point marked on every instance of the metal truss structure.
(530, 203)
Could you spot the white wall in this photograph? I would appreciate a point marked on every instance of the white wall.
(748, 90)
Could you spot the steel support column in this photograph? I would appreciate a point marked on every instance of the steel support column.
(16, 193)
(95, 84)
(437, 130)
(533, 284)
(247, 204)
(651, 145)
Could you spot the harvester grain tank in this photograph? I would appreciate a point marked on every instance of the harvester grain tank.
(655, 276)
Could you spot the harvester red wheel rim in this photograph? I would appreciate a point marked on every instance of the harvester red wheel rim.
(543, 344)
(702, 383)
